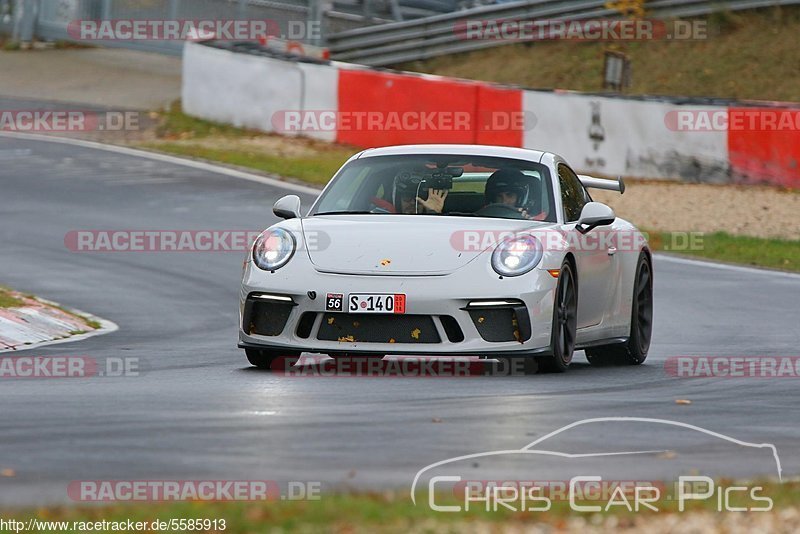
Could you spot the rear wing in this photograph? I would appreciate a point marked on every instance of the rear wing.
(590, 182)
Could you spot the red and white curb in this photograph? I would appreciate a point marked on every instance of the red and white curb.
(41, 322)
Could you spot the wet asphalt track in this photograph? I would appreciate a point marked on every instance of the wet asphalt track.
(199, 411)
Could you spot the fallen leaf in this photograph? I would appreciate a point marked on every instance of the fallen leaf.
(330, 320)
(436, 420)
(346, 338)
(384, 263)
(415, 333)
(8, 473)
(481, 319)
(667, 455)
(391, 340)
(683, 401)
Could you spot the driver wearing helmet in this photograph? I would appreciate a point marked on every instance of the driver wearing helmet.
(407, 198)
(511, 187)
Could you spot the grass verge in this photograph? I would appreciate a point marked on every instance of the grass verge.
(394, 512)
(745, 55)
(780, 254)
(8, 300)
(301, 158)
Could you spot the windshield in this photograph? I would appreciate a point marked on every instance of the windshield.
(441, 185)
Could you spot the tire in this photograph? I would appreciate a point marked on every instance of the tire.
(565, 322)
(263, 359)
(634, 351)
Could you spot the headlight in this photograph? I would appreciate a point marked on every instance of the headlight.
(517, 256)
(273, 249)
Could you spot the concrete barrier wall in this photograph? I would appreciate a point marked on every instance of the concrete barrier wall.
(614, 136)
(654, 139)
(249, 91)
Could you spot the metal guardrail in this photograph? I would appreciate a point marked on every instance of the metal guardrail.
(49, 19)
(399, 42)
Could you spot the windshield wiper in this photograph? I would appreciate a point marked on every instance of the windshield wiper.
(354, 212)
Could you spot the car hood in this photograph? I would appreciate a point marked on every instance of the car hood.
(402, 244)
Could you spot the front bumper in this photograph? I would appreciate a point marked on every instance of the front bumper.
(440, 319)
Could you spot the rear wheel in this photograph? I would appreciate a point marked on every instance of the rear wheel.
(565, 322)
(633, 351)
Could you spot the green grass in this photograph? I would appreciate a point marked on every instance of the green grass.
(10, 46)
(367, 512)
(747, 55)
(7, 300)
(299, 158)
(176, 124)
(759, 252)
(317, 169)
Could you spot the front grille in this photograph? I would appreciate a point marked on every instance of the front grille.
(496, 324)
(374, 328)
(264, 317)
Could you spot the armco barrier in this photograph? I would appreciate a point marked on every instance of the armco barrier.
(606, 135)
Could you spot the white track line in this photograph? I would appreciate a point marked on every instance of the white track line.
(726, 267)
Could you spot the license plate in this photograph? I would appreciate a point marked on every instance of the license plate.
(376, 303)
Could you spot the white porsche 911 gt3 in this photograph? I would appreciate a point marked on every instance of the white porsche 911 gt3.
(443, 250)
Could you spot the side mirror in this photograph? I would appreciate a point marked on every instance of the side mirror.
(287, 207)
(594, 214)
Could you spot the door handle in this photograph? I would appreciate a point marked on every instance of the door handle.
(612, 251)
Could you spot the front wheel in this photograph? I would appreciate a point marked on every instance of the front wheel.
(263, 359)
(565, 322)
(633, 351)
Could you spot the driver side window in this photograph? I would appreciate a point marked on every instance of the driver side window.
(573, 194)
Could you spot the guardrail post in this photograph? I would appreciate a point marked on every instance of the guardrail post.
(317, 10)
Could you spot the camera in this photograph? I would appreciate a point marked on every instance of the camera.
(423, 180)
